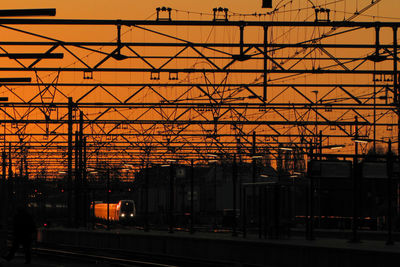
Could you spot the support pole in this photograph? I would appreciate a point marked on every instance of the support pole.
(80, 211)
(243, 212)
(253, 180)
(355, 238)
(234, 182)
(377, 40)
(395, 66)
(77, 181)
(241, 28)
(310, 200)
(191, 197)
(119, 35)
(312, 206)
(260, 212)
(118, 54)
(397, 101)
(146, 200)
(4, 202)
(374, 125)
(277, 214)
(4, 191)
(108, 197)
(265, 80)
(86, 205)
(171, 199)
(389, 165)
(69, 176)
(10, 180)
(266, 212)
(215, 197)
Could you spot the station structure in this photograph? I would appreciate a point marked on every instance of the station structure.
(79, 92)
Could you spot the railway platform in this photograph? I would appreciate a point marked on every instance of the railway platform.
(40, 261)
(327, 251)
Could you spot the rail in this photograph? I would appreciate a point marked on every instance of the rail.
(121, 257)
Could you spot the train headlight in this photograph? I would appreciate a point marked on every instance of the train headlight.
(131, 214)
(122, 214)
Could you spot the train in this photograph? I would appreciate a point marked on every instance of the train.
(123, 211)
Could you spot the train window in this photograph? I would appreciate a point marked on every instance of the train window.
(127, 207)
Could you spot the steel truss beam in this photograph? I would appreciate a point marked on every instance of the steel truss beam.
(133, 23)
(178, 96)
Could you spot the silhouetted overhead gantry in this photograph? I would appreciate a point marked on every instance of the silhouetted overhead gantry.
(180, 89)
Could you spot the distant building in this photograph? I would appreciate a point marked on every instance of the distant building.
(212, 190)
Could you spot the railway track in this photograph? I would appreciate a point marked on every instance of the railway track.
(125, 258)
(93, 258)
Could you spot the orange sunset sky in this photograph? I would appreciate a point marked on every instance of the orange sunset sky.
(286, 10)
(135, 9)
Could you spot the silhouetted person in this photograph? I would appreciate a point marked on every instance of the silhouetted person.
(24, 229)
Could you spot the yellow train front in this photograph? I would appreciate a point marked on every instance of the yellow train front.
(124, 211)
